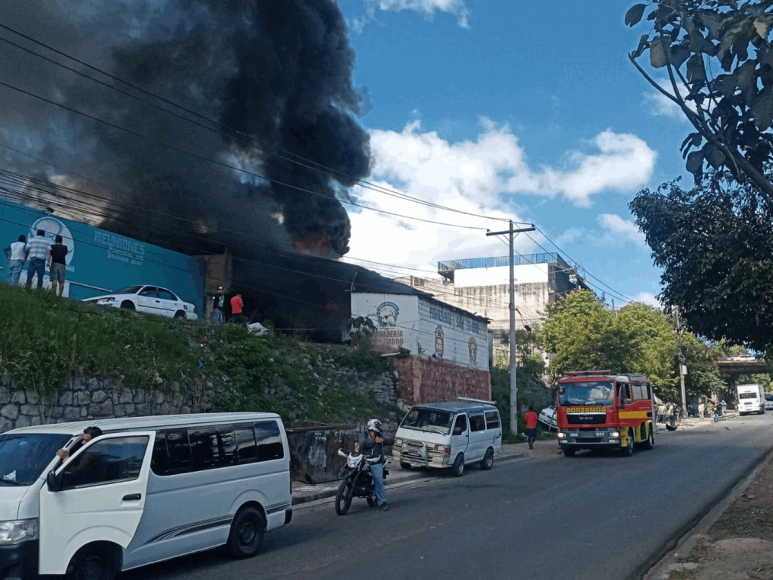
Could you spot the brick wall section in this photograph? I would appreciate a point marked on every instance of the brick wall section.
(424, 380)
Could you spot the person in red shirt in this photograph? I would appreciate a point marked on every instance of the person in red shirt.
(237, 304)
(531, 427)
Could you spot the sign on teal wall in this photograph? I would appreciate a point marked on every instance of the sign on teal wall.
(99, 261)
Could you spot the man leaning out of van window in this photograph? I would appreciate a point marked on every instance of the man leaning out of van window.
(89, 433)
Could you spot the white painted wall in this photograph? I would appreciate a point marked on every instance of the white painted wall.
(425, 328)
(525, 274)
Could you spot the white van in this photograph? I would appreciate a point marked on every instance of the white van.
(148, 489)
(449, 435)
(751, 399)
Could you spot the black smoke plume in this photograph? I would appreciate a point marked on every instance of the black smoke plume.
(278, 72)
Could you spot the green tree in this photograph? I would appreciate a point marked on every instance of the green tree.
(718, 61)
(703, 376)
(581, 334)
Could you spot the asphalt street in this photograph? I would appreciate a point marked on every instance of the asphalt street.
(590, 516)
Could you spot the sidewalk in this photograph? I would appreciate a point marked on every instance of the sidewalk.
(304, 493)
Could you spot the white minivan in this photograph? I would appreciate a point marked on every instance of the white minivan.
(148, 489)
(751, 399)
(449, 435)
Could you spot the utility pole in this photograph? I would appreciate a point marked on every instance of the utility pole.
(682, 367)
(513, 384)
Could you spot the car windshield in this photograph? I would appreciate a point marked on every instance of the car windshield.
(586, 393)
(430, 420)
(769, 396)
(23, 457)
(128, 290)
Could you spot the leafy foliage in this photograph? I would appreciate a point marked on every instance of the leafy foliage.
(731, 111)
(715, 245)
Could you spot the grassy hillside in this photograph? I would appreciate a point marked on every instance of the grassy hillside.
(44, 339)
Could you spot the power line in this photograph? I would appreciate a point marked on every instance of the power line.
(294, 158)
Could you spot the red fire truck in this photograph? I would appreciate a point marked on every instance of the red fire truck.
(601, 410)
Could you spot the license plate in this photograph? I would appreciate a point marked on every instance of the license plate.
(416, 464)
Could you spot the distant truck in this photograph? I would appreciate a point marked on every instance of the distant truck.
(751, 399)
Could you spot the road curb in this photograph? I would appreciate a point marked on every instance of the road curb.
(684, 545)
(327, 492)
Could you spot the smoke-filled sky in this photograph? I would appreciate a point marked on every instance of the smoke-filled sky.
(507, 110)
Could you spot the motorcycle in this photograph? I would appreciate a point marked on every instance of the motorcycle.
(357, 482)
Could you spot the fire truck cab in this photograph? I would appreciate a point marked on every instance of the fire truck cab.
(601, 410)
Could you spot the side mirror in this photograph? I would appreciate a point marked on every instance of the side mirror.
(54, 483)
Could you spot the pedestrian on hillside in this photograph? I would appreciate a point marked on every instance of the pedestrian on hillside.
(218, 306)
(531, 427)
(37, 252)
(237, 305)
(57, 264)
(16, 254)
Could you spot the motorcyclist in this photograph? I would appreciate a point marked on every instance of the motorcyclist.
(374, 448)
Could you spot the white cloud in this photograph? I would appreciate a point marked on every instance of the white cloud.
(472, 176)
(428, 8)
(647, 298)
(618, 230)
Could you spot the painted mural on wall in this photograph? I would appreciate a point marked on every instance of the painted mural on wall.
(99, 261)
(425, 327)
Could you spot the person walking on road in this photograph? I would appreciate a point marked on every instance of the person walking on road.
(57, 264)
(16, 254)
(531, 419)
(37, 251)
(237, 305)
(218, 306)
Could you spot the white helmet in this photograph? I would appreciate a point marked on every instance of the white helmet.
(374, 425)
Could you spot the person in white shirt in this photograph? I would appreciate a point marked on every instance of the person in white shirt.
(16, 254)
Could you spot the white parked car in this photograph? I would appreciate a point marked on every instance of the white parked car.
(548, 417)
(769, 401)
(150, 299)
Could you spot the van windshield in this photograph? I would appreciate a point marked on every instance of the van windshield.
(23, 457)
(430, 420)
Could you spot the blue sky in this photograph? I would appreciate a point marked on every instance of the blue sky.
(522, 110)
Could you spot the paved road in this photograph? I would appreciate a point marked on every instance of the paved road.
(591, 516)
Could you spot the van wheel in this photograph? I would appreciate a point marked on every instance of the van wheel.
(569, 452)
(458, 467)
(488, 460)
(93, 563)
(246, 535)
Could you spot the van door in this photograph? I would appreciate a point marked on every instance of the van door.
(460, 437)
(478, 437)
(101, 498)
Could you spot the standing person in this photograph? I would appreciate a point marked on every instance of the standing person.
(37, 251)
(670, 414)
(531, 427)
(237, 305)
(218, 306)
(16, 254)
(57, 264)
(374, 448)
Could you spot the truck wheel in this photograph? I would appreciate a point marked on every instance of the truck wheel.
(93, 562)
(628, 449)
(569, 452)
(405, 465)
(650, 442)
(458, 467)
(246, 534)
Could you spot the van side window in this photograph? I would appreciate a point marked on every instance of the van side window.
(461, 425)
(477, 423)
(178, 452)
(269, 441)
(212, 446)
(492, 420)
(118, 459)
(247, 449)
